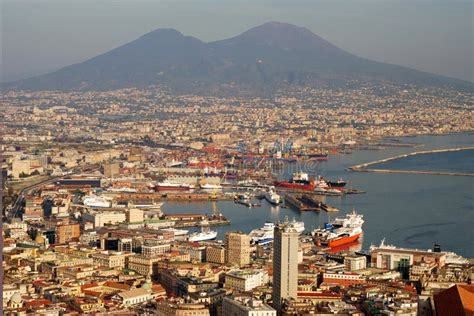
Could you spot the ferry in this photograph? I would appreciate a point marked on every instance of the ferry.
(298, 226)
(264, 235)
(204, 235)
(272, 197)
(339, 231)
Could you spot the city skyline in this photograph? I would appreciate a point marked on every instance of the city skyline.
(237, 158)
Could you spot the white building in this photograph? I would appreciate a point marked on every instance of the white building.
(245, 280)
(99, 219)
(135, 296)
(354, 262)
(246, 306)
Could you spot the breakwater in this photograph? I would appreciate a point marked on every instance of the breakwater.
(365, 167)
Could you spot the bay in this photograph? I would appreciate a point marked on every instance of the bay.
(408, 210)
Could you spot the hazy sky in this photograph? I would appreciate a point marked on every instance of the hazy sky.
(431, 35)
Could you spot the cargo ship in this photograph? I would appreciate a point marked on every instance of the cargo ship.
(299, 181)
(340, 231)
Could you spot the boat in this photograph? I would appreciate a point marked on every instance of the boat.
(333, 192)
(172, 185)
(299, 226)
(96, 201)
(272, 197)
(340, 231)
(299, 181)
(339, 184)
(262, 236)
(320, 190)
(204, 235)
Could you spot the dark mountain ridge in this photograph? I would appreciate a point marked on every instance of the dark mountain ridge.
(261, 59)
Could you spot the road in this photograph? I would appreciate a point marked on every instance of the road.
(13, 211)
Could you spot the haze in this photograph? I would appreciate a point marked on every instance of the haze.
(433, 36)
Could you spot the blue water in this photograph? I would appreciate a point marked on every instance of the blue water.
(457, 161)
(407, 210)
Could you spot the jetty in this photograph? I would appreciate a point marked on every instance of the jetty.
(365, 167)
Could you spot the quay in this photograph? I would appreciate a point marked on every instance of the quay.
(196, 220)
(158, 196)
(364, 167)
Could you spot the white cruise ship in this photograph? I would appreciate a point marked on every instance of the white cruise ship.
(299, 226)
(264, 235)
(205, 234)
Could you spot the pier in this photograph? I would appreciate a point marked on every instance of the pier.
(365, 166)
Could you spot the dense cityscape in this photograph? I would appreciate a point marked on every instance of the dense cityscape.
(86, 174)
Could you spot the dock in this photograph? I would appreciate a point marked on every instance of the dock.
(295, 203)
(172, 196)
(195, 220)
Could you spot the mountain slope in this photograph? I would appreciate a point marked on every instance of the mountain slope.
(261, 59)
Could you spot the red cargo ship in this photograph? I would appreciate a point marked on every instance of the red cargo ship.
(299, 181)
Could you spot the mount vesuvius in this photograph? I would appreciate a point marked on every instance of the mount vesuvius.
(262, 59)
